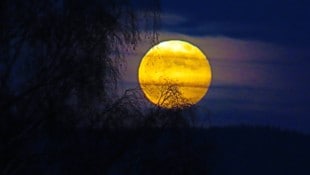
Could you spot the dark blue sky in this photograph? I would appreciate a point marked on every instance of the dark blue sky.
(259, 53)
(279, 21)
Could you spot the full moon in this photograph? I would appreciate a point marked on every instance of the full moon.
(174, 74)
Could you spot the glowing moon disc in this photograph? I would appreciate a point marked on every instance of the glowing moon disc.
(174, 74)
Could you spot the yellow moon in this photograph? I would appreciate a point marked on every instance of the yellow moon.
(174, 74)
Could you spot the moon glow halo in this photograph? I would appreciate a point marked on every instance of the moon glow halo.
(174, 74)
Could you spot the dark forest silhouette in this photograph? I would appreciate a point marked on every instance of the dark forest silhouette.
(62, 58)
(59, 68)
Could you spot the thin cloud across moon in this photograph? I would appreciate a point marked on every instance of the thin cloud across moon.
(174, 73)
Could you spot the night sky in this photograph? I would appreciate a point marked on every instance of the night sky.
(258, 51)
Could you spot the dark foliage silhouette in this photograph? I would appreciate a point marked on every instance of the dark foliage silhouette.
(60, 112)
(61, 59)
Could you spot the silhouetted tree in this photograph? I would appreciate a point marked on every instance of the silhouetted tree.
(172, 109)
(61, 59)
(60, 62)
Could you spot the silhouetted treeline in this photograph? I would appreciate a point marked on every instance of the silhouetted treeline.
(258, 150)
(141, 151)
(60, 61)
